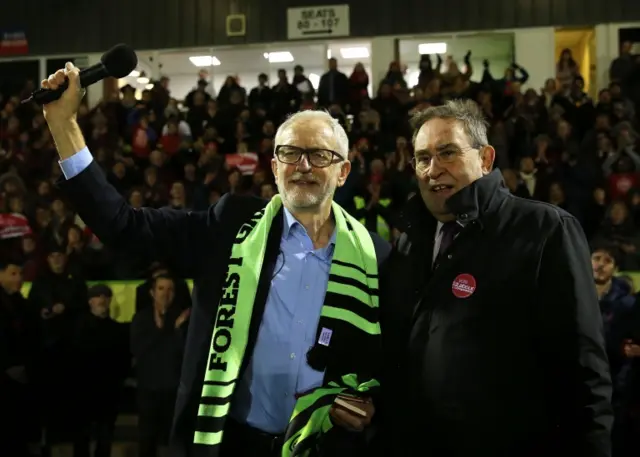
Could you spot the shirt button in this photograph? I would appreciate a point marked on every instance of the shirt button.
(449, 256)
(307, 287)
(292, 356)
(300, 322)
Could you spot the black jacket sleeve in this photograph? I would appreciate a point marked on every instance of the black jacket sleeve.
(38, 297)
(575, 364)
(171, 235)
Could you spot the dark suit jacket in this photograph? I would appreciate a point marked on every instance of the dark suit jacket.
(196, 245)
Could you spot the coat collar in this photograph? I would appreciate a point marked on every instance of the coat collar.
(469, 204)
(481, 196)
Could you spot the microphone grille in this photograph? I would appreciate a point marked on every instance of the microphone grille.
(119, 61)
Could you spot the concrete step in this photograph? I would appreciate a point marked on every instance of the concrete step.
(118, 450)
(127, 420)
(125, 444)
(126, 428)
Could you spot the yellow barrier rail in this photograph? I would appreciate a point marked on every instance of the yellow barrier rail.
(123, 303)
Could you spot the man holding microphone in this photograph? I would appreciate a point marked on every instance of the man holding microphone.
(281, 352)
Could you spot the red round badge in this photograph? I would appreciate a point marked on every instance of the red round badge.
(463, 286)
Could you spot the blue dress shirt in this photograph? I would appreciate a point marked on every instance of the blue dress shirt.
(75, 164)
(278, 370)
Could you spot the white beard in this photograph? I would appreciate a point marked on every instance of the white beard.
(298, 197)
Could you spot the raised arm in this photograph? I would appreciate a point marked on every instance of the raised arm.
(170, 235)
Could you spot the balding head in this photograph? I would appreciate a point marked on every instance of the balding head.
(314, 120)
(311, 160)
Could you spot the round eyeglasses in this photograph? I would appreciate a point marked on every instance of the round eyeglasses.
(317, 157)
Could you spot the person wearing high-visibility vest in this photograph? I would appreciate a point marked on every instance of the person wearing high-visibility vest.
(373, 212)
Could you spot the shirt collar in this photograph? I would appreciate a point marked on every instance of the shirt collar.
(290, 222)
(441, 224)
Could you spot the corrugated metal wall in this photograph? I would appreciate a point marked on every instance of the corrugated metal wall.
(78, 26)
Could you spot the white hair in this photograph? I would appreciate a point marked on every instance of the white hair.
(342, 139)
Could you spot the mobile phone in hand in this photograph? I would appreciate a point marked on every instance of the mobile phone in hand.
(349, 407)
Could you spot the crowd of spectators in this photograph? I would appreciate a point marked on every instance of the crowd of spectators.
(554, 144)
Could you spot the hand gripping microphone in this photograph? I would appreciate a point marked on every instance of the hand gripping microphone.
(117, 62)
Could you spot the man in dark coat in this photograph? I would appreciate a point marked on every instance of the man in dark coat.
(102, 361)
(491, 321)
(19, 338)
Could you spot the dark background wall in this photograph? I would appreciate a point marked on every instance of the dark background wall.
(79, 26)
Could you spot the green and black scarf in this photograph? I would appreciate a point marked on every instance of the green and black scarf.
(350, 307)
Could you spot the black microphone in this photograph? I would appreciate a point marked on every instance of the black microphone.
(117, 62)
